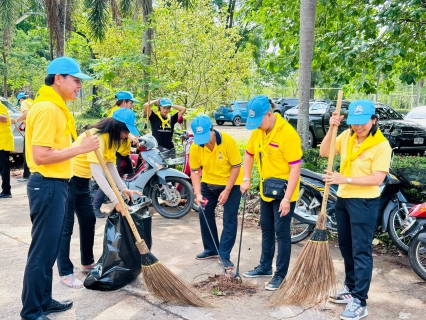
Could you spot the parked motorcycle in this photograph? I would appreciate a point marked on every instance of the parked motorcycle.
(417, 231)
(171, 193)
(394, 208)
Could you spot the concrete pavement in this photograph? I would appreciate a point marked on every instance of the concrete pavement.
(396, 292)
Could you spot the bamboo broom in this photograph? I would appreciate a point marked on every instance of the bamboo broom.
(161, 282)
(312, 278)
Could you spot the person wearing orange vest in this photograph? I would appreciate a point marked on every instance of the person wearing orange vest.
(6, 145)
(24, 104)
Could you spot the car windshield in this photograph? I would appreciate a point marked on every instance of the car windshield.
(10, 107)
(386, 113)
(416, 113)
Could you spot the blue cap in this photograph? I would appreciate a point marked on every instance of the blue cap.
(128, 117)
(125, 95)
(165, 102)
(66, 65)
(360, 111)
(21, 95)
(201, 127)
(257, 108)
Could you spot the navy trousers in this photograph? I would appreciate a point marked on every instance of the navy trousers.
(48, 202)
(230, 220)
(356, 221)
(5, 171)
(80, 202)
(272, 224)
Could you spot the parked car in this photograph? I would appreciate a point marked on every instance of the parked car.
(19, 140)
(285, 104)
(417, 114)
(235, 112)
(315, 107)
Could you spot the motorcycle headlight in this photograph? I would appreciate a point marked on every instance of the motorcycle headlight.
(396, 132)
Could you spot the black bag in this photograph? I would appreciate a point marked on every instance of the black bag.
(120, 262)
(274, 188)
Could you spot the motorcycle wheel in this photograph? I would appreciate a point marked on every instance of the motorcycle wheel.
(396, 225)
(181, 202)
(417, 257)
(299, 230)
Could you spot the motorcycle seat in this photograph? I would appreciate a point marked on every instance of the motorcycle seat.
(311, 174)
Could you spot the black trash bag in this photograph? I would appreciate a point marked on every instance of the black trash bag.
(120, 262)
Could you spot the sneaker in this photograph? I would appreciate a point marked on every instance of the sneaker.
(227, 264)
(204, 255)
(343, 296)
(98, 213)
(5, 195)
(22, 180)
(257, 272)
(275, 283)
(354, 310)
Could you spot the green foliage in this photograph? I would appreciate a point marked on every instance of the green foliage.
(83, 122)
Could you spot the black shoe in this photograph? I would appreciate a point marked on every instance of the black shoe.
(275, 283)
(98, 213)
(257, 272)
(42, 317)
(5, 195)
(57, 306)
(227, 264)
(204, 255)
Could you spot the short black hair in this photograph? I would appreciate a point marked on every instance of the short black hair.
(119, 102)
(50, 79)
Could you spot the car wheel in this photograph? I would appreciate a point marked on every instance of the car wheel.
(237, 121)
(220, 122)
(312, 142)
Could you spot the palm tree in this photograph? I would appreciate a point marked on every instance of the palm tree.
(306, 49)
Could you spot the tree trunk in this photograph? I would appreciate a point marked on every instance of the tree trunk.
(5, 74)
(307, 31)
(61, 32)
(148, 36)
(231, 11)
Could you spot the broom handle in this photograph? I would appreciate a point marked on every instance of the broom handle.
(331, 154)
(146, 123)
(17, 128)
(117, 194)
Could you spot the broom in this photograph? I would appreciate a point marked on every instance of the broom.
(312, 278)
(161, 282)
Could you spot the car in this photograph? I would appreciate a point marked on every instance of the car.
(284, 104)
(14, 113)
(235, 112)
(417, 114)
(315, 107)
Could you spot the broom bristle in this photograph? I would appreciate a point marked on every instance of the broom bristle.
(163, 284)
(312, 278)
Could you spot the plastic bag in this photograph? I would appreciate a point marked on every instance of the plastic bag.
(120, 262)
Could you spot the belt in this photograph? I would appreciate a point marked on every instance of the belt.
(49, 178)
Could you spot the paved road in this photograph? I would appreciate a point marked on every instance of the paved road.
(396, 292)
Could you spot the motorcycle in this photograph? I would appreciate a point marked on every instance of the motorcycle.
(416, 229)
(171, 193)
(394, 208)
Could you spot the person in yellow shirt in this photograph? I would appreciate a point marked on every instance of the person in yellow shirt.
(276, 147)
(6, 145)
(50, 126)
(217, 155)
(24, 104)
(365, 157)
(125, 99)
(112, 132)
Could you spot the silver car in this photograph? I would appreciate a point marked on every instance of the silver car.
(17, 135)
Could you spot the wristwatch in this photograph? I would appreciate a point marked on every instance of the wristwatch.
(246, 179)
(349, 180)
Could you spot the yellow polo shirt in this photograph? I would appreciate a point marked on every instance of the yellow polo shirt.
(6, 135)
(45, 126)
(285, 148)
(25, 106)
(217, 164)
(376, 158)
(124, 148)
(81, 163)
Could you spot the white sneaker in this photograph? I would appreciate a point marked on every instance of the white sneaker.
(354, 310)
(343, 296)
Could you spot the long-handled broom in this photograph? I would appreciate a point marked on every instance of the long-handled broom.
(161, 282)
(312, 278)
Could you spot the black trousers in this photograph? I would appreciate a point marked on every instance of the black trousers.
(27, 172)
(356, 221)
(272, 224)
(48, 202)
(5, 171)
(80, 202)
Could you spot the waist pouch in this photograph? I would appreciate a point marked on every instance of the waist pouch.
(274, 188)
